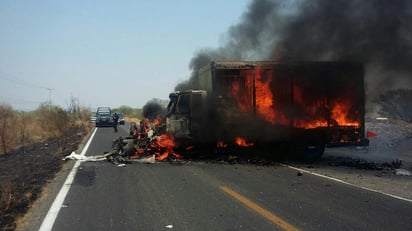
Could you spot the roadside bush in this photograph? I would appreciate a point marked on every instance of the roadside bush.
(77, 112)
(19, 129)
(55, 122)
(129, 111)
(24, 171)
(28, 129)
(7, 133)
(81, 118)
(21, 126)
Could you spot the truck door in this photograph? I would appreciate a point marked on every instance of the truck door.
(178, 121)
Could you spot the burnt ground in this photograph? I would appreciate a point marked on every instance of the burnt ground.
(24, 173)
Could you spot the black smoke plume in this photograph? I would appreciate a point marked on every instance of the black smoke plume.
(375, 32)
(153, 109)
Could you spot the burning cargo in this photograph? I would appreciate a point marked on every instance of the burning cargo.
(306, 105)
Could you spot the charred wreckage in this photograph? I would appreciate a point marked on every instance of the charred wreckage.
(302, 107)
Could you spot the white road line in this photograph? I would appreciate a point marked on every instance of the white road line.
(344, 182)
(51, 216)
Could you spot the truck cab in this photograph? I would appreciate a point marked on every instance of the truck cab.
(184, 113)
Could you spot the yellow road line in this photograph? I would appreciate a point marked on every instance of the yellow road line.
(265, 213)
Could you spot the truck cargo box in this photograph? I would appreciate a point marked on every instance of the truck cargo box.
(308, 95)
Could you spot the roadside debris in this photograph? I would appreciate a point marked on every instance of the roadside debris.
(364, 164)
(402, 172)
(146, 144)
(110, 156)
(75, 156)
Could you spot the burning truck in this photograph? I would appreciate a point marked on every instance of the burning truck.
(303, 106)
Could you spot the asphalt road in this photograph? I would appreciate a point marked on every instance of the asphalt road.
(205, 196)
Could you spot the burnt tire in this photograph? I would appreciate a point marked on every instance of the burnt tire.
(309, 154)
(308, 148)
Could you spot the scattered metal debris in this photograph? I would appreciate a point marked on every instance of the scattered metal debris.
(364, 164)
(145, 147)
(402, 172)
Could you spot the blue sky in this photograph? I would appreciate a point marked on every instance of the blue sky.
(104, 53)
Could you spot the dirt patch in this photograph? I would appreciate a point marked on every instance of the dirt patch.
(24, 173)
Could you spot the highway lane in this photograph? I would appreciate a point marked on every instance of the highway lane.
(204, 196)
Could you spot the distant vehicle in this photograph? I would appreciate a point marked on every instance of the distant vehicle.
(104, 117)
(92, 117)
(104, 109)
(121, 119)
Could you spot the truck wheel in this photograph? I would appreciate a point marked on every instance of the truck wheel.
(308, 148)
(310, 154)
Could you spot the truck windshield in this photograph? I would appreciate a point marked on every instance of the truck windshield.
(183, 105)
(171, 107)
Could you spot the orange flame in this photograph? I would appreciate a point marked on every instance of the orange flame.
(162, 156)
(165, 145)
(145, 125)
(264, 97)
(325, 112)
(189, 148)
(266, 104)
(340, 111)
(157, 121)
(241, 90)
(242, 142)
(161, 146)
(304, 111)
(221, 144)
